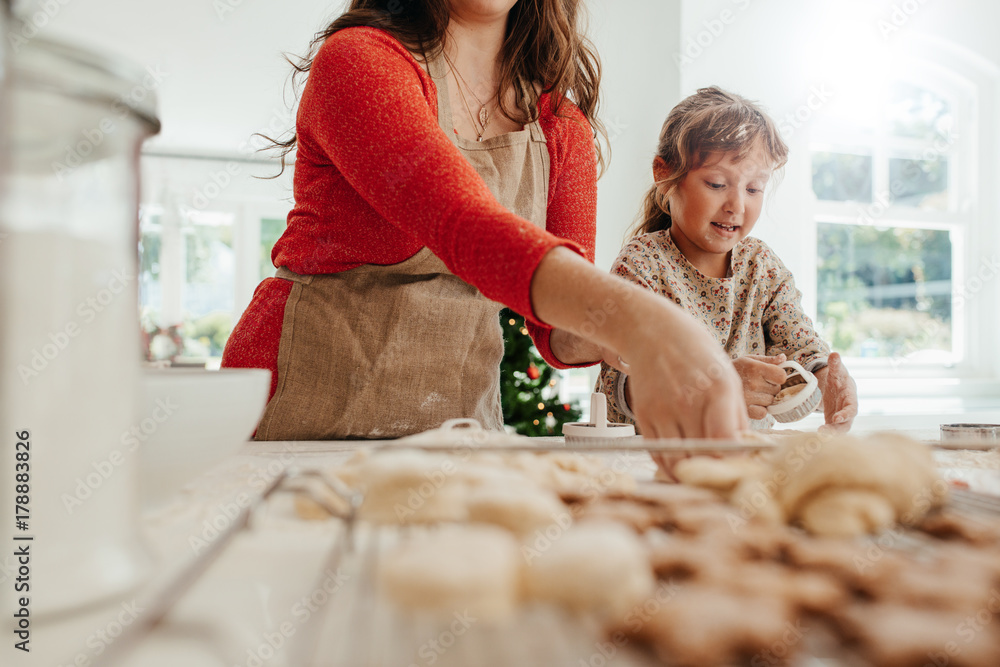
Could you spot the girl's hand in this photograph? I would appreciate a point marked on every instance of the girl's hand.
(840, 395)
(762, 380)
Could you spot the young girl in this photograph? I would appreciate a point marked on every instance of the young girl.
(716, 154)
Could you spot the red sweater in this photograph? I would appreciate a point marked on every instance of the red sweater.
(376, 179)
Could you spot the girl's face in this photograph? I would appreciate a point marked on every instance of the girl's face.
(715, 207)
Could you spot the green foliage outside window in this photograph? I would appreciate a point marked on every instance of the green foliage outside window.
(884, 292)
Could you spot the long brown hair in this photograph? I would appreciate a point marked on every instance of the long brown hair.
(544, 44)
(710, 121)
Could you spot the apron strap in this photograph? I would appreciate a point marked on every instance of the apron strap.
(288, 274)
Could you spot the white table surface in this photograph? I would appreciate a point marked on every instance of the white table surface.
(247, 607)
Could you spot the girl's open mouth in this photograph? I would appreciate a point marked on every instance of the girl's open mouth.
(727, 228)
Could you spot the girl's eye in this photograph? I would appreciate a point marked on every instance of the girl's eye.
(754, 191)
(714, 186)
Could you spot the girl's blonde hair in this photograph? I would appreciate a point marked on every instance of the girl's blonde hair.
(710, 121)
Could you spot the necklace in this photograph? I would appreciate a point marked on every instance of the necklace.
(484, 113)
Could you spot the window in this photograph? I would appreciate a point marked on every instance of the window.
(271, 230)
(893, 175)
(205, 236)
(187, 279)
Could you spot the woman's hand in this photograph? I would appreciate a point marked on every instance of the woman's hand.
(682, 383)
(840, 395)
(762, 380)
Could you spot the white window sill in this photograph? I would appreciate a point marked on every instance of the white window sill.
(918, 407)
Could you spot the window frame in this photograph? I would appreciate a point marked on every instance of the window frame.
(968, 169)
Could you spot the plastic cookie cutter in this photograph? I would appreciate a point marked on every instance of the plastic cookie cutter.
(598, 426)
(794, 402)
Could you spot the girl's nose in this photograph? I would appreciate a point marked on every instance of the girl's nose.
(735, 204)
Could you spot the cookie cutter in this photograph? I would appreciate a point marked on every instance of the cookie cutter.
(801, 404)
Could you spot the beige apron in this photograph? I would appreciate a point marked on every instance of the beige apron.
(387, 351)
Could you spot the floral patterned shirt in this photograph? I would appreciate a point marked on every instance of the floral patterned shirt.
(756, 309)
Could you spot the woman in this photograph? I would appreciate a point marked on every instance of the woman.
(441, 168)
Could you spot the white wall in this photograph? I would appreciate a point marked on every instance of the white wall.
(223, 70)
(640, 86)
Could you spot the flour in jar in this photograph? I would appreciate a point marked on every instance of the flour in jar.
(70, 356)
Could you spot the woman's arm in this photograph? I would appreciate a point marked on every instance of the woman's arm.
(571, 214)
(367, 110)
(682, 383)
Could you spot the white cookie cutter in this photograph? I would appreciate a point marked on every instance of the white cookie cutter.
(801, 404)
(598, 427)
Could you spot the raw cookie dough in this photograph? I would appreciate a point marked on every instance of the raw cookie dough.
(898, 469)
(521, 509)
(594, 566)
(411, 486)
(847, 512)
(788, 392)
(831, 485)
(571, 475)
(717, 474)
(452, 569)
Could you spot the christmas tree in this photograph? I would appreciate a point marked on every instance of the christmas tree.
(528, 386)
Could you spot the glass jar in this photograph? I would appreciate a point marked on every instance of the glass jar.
(69, 336)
